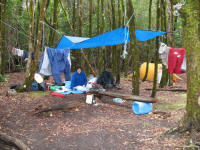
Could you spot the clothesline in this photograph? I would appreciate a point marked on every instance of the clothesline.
(14, 28)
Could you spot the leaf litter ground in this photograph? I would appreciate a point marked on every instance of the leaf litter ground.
(106, 126)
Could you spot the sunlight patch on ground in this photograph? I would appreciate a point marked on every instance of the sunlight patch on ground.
(165, 106)
(39, 94)
(183, 95)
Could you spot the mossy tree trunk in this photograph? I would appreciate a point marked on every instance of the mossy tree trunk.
(148, 43)
(114, 48)
(81, 26)
(90, 32)
(171, 31)
(100, 50)
(31, 36)
(153, 94)
(3, 51)
(125, 61)
(118, 52)
(34, 64)
(191, 29)
(55, 24)
(135, 51)
(74, 14)
(165, 74)
(171, 24)
(0, 44)
(102, 60)
(67, 16)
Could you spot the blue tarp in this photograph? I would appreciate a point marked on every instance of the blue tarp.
(64, 43)
(114, 37)
(142, 35)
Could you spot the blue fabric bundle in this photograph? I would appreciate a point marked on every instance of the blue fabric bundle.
(59, 64)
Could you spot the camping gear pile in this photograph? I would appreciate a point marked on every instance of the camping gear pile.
(57, 61)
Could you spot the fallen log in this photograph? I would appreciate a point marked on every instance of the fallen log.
(126, 96)
(172, 90)
(13, 141)
(61, 107)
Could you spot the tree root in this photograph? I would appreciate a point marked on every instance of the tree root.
(13, 141)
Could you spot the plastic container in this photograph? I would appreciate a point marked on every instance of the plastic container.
(67, 84)
(140, 108)
(118, 100)
(89, 98)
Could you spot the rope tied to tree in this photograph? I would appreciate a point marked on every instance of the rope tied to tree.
(124, 54)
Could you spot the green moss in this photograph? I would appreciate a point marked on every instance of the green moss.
(165, 106)
(163, 99)
(39, 94)
(183, 95)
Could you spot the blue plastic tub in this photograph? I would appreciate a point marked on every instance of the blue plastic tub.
(140, 108)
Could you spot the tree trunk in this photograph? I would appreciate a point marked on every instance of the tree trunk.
(149, 43)
(90, 31)
(34, 64)
(81, 26)
(102, 54)
(165, 74)
(52, 32)
(67, 16)
(171, 24)
(135, 51)
(1, 42)
(13, 141)
(125, 61)
(3, 50)
(31, 37)
(74, 16)
(156, 53)
(118, 52)
(99, 62)
(191, 28)
(114, 48)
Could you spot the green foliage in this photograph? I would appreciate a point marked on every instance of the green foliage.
(18, 17)
(3, 78)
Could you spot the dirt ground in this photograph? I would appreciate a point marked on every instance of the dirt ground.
(108, 126)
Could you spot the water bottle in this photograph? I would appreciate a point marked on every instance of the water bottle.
(118, 100)
(140, 108)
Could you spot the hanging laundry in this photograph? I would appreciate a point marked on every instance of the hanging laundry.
(163, 53)
(45, 66)
(175, 60)
(183, 66)
(20, 52)
(59, 64)
(25, 55)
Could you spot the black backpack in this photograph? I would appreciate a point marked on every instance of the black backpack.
(106, 79)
